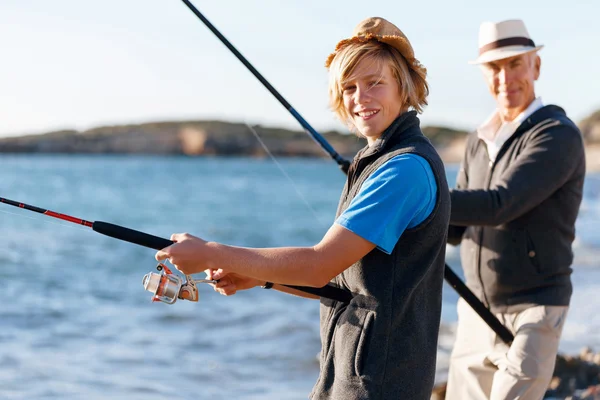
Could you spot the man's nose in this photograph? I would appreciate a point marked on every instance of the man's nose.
(361, 95)
(503, 76)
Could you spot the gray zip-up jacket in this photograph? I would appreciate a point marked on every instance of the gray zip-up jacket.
(383, 345)
(516, 215)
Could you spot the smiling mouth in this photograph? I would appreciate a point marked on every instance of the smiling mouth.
(366, 114)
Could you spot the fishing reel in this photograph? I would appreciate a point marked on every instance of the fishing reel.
(168, 287)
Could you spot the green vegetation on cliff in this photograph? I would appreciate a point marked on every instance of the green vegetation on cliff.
(195, 138)
(226, 138)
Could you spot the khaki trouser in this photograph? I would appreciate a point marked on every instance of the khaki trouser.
(484, 367)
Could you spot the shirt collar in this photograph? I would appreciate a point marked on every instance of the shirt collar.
(487, 130)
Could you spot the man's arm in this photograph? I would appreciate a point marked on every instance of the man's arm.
(233, 283)
(387, 203)
(304, 266)
(300, 266)
(547, 162)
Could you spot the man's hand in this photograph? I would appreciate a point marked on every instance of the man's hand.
(188, 254)
(230, 284)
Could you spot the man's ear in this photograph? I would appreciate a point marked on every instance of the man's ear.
(537, 67)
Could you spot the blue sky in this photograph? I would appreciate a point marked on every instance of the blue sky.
(72, 64)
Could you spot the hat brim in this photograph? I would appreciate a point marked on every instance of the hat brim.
(400, 44)
(504, 52)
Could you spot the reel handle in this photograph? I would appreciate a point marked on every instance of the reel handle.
(189, 290)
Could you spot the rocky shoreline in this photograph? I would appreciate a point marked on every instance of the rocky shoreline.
(218, 138)
(575, 378)
(197, 138)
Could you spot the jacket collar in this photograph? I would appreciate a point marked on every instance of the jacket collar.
(546, 112)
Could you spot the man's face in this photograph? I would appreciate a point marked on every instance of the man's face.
(372, 99)
(510, 82)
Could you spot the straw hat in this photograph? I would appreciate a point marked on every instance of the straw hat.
(383, 31)
(503, 40)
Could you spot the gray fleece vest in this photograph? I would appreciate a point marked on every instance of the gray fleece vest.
(383, 344)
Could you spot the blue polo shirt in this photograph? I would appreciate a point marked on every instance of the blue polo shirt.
(399, 195)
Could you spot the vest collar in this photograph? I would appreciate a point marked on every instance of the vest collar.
(404, 122)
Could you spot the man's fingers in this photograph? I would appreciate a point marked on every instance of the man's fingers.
(218, 274)
(177, 237)
(209, 273)
(222, 283)
(161, 254)
(226, 289)
(231, 290)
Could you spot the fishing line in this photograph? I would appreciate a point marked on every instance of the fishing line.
(320, 140)
(449, 275)
(289, 178)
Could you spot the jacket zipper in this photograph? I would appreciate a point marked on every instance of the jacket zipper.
(488, 179)
(491, 167)
(531, 253)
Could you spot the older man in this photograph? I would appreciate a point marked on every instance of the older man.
(514, 210)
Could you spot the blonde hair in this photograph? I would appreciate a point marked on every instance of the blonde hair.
(411, 81)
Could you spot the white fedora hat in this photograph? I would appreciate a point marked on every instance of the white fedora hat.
(502, 40)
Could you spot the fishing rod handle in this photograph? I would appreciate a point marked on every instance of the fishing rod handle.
(131, 235)
(158, 243)
(464, 292)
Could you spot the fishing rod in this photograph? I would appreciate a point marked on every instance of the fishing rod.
(167, 287)
(449, 275)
